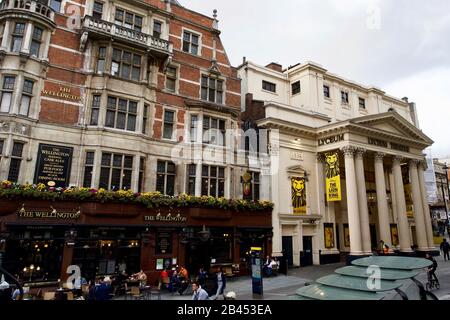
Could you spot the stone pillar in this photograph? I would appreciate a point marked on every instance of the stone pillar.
(421, 232)
(198, 180)
(426, 207)
(403, 224)
(352, 202)
(362, 202)
(383, 208)
(275, 177)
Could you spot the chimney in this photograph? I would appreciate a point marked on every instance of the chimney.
(405, 99)
(275, 66)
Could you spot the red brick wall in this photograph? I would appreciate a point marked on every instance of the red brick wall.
(58, 112)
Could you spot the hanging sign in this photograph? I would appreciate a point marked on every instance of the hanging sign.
(333, 177)
(298, 195)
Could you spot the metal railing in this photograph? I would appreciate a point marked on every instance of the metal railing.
(114, 30)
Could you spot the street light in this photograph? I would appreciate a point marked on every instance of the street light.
(445, 168)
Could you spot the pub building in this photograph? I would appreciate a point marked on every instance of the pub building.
(120, 95)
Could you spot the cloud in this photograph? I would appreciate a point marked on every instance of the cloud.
(398, 45)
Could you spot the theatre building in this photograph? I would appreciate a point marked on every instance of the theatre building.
(118, 96)
(347, 164)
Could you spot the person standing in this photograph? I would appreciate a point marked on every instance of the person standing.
(198, 292)
(445, 248)
(221, 282)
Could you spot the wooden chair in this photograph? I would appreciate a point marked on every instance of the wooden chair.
(70, 296)
(136, 293)
(49, 296)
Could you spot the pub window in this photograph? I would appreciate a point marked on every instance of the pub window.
(344, 97)
(145, 119)
(269, 86)
(157, 28)
(141, 182)
(165, 180)
(326, 91)
(88, 169)
(255, 185)
(97, 11)
(16, 160)
(116, 170)
(1, 149)
(214, 131)
(126, 65)
(128, 20)
(101, 60)
(56, 5)
(192, 173)
(7, 92)
(27, 94)
(190, 42)
(296, 88)
(362, 103)
(17, 36)
(121, 114)
(36, 41)
(95, 111)
(169, 121)
(171, 79)
(212, 90)
(194, 128)
(213, 181)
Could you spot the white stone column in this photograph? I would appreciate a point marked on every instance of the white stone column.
(421, 233)
(426, 207)
(383, 208)
(362, 202)
(352, 202)
(27, 38)
(135, 173)
(403, 224)
(275, 177)
(5, 36)
(198, 179)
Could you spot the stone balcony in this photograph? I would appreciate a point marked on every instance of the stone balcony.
(27, 9)
(100, 29)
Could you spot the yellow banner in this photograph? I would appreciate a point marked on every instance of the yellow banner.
(333, 181)
(298, 195)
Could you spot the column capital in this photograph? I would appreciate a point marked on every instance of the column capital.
(423, 165)
(397, 160)
(414, 163)
(359, 152)
(348, 151)
(379, 156)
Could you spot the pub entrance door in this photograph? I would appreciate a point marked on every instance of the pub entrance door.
(288, 250)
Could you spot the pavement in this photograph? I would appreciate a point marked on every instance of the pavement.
(283, 287)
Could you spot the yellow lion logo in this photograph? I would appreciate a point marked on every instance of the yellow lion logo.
(298, 193)
(333, 165)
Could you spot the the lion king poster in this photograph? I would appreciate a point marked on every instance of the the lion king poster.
(298, 195)
(333, 177)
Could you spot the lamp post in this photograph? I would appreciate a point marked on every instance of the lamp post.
(445, 168)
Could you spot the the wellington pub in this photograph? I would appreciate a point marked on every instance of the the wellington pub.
(106, 238)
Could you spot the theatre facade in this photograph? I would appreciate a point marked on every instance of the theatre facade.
(347, 164)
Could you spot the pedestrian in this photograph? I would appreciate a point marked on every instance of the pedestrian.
(198, 292)
(202, 274)
(382, 247)
(221, 281)
(431, 271)
(445, 248)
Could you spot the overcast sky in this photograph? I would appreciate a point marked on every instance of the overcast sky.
(401, 46)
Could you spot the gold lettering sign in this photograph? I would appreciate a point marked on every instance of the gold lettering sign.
(48, 214)
(333, 177)
(167, 218)
(63, 92)
(298, 195)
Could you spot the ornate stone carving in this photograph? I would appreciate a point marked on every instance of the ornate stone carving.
(423, 165)
(379, 156)
(397, 160)
(359, 152)
(348, 151)
(4, 126)
(414, 163)
(22, 129)
(83, 40)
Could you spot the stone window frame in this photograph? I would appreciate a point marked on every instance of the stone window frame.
(175, 77)
(124, 19)
(117, 110)
(199, 45)
(213, 180)
(17, 159)
(141, 173)
(329, 97)
(27, 94)
(112, 166)
(364, 100)
(165, 175)
(191, 178)
(267, 86)
(217, 79)
(299, 88)
(347, 95)
(94, 12)
(154, 22)
(255, 183)
(8, 90)
(223, 131)
(2, 146)
(88, 166)
(36, 41)
(174, 123)
(98, 108)
(121, 62)
(15, 34)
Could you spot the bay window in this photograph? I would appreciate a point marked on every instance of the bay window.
(17, 36)
(95, 110)
(88, 169)
(213, 131)
(116, 171)
(27, 94)
(212, 90)
(16, 161)
(126, 65)
(213, 181)
(6, 93)
(121, 114)
(36, 42)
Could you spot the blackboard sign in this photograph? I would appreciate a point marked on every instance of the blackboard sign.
(53, 165)
(164, 243)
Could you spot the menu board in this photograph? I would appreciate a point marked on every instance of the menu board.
(164, 243)
(53, 165)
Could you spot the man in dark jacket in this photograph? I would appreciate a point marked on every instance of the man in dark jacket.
(221, 281)
(445, 248)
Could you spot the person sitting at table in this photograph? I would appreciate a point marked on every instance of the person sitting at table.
(174, 283)
(164, 279)
(142, 277)
(103, 292)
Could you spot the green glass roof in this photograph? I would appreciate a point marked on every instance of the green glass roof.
(322, 292)
(385, 274)
(360, 284)
(397, 263)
